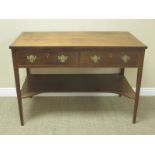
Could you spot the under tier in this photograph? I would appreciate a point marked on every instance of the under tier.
(108, 83)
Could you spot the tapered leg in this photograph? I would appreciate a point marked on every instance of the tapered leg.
(138, 84)
(121, 73)
(17, 81)
(28, 71)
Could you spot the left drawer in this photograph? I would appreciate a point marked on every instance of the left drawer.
(36, 58)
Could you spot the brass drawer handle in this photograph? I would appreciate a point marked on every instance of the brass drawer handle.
(31, 58)
(95, 58)
(125, 58)
(62, 58)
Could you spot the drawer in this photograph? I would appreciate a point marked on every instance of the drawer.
(46, 57)
(116, 58)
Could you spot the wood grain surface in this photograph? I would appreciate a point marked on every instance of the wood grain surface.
(112, 83)
(77, 49)
(99, 39)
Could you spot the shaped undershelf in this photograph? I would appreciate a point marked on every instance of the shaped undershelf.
(108, 83)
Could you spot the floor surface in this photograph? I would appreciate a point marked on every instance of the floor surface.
(77, 116)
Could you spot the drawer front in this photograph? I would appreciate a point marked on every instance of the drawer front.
(46, 57)
(109, 58)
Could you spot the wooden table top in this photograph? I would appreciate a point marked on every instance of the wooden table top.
(77, 39)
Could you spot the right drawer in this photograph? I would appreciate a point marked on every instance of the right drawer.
(114, 58)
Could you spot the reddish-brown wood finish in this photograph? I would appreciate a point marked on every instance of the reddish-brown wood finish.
(17, 82)
(77, 39)
(78, 57)
(114, 83)
(77, 49)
